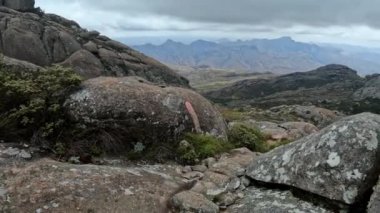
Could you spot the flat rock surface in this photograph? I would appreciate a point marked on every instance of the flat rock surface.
(340, 162)
(50, 186)
(259, 200)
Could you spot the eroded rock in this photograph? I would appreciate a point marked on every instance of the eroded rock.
(46, 39)
(260, 200)
(190, 201)
(139, 112)
(339, 163)
(374, 203)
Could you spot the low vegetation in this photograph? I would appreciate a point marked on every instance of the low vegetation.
(196, 147)
(243, 136)
(31, 102)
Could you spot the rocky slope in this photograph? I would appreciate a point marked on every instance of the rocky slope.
(326, 86)
(44, 39)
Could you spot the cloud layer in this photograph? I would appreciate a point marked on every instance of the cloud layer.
(306, 17)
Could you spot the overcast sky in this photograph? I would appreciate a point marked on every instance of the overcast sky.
(335, 21)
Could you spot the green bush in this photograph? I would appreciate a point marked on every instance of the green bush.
(31, 102)
(201, 146)
(243, 136)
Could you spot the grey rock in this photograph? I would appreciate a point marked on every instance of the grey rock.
(25, 155)
(261, 200)
(47, 39)
(374, 203)
(338, 163)
(186, 169)
(234, 184)
(199, 168)
(227, 199)
(189, 201)
(193, 175)
(3, 193)
(370, 90)
(209, 162)
(22, 5)
(153, 112)
(85, 63)
(12, 152)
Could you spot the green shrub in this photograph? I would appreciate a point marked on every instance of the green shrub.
(31, 102)
(243, 136)
(201, 146)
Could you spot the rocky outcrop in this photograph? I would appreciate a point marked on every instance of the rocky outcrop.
(371, 89)
(340, 163)
(46, 39)
(325, 86)
(21, 5)
(139, 113)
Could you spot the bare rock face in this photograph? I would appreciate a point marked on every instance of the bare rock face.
(268, 201)
(141, 113)
(21, 5)
(371, 89)
(341, 162)
(374, 203)
(46, 39)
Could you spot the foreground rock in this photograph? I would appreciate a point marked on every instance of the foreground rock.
(46, 39)
(137, 113)
(374, 203)
(49, 186)
(339, 163)
(190, 201)
(263, 200)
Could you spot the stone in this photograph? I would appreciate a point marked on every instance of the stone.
(234, 162)
(227, 199)
(21, 5)
(12, 152)
(199, 168)
(138, 111)
(374, 202)
(371, 90)
(193, 175)
(25, 155)
(234, 184)
(263, 200)
(189, 201)
(338, 163)
(84, 63)
(209, 162)
(186, 169)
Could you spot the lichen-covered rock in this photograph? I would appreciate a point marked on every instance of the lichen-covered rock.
(374, 203)
(139, 113)
(46, 39)
(189, 201)
(371, 90)
(340, 162)
(260, 200)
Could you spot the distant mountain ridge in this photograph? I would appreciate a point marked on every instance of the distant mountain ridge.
(282, 55)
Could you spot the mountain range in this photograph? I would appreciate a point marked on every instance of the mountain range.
(282, 55)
